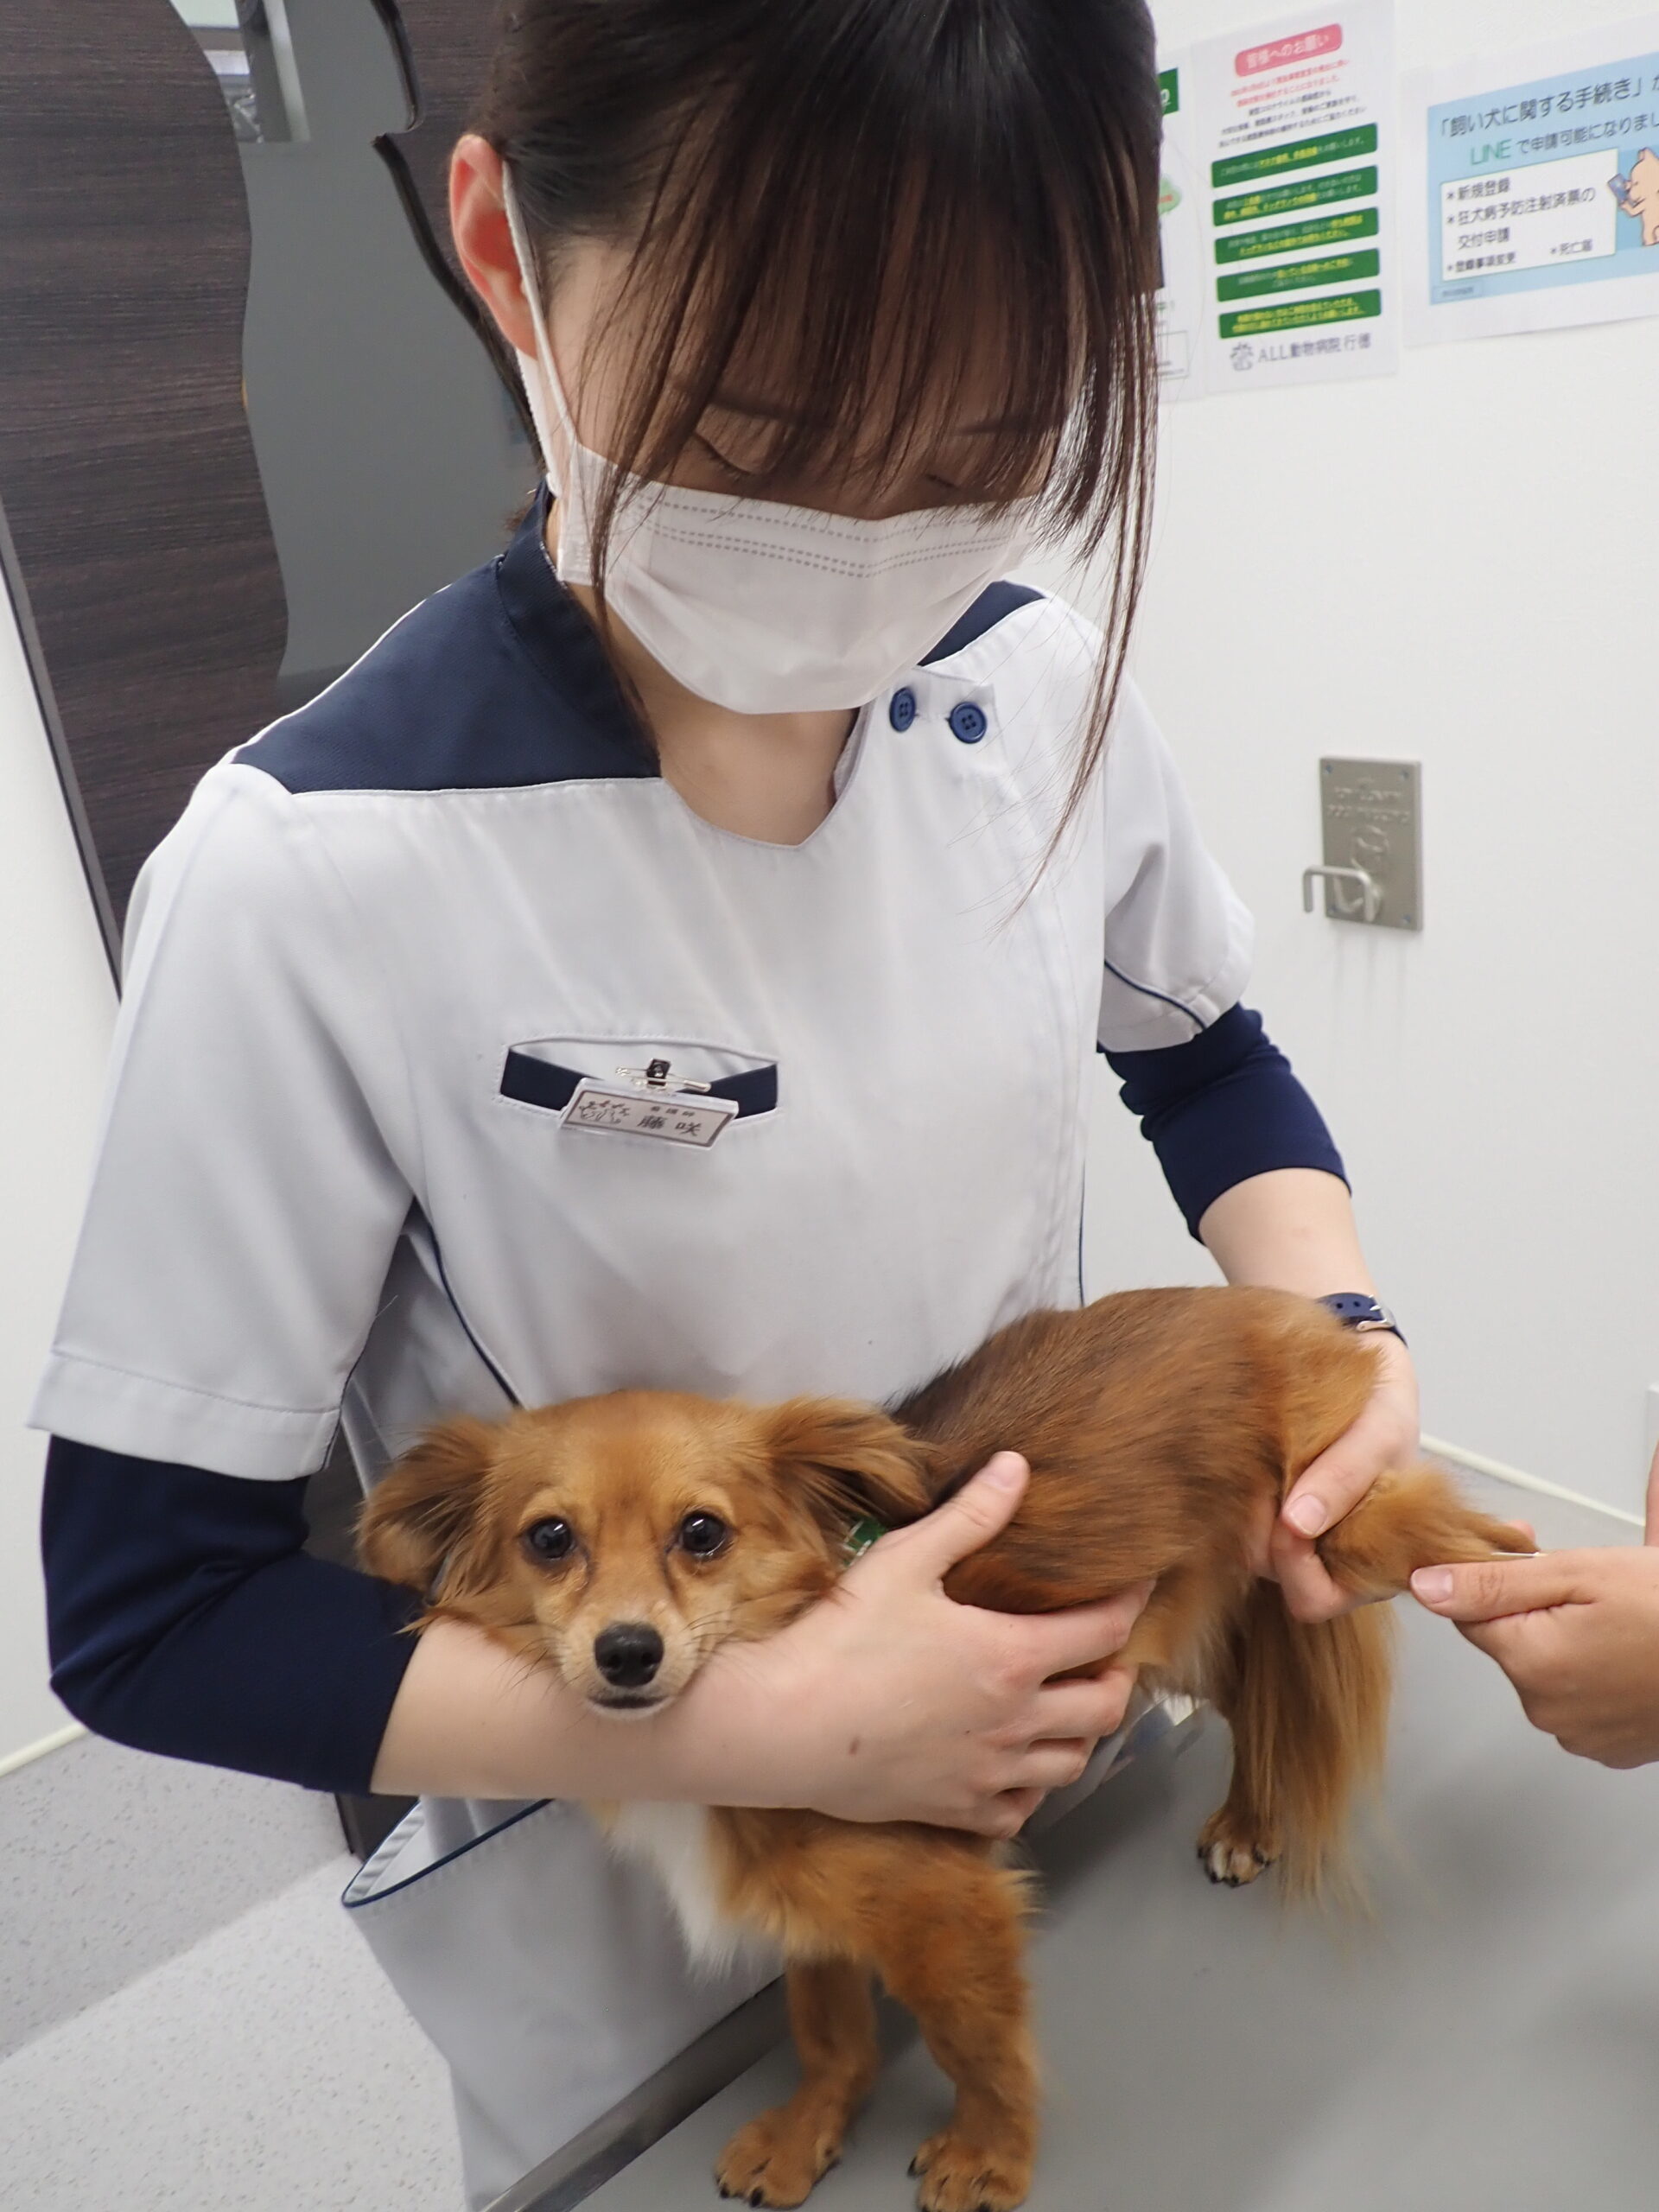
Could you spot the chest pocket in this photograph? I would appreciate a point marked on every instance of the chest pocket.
(543, 1072)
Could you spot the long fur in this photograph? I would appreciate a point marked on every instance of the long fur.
(1164, 1429)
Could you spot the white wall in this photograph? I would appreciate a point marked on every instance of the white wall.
(1449, 565)
(56, 1005)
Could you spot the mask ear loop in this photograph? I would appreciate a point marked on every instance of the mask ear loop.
(538, 373)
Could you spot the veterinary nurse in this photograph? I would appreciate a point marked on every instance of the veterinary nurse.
(744, 757)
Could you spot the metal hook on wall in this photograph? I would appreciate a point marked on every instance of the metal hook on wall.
(1371, 903)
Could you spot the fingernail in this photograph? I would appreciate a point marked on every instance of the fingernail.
(1432, 1584)
(1307, 1514)
(1006, 1472)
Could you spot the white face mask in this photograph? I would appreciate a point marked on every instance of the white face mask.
(759, 608)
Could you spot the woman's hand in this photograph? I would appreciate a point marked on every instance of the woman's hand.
(1384, 1436)
(888, 1701)
(1292, 1228)
(1576, 1632)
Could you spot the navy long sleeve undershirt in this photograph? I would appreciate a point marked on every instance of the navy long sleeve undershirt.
(185, 1617)
(1221, 1108)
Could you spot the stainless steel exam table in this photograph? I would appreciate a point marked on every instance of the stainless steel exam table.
(1487, 2042)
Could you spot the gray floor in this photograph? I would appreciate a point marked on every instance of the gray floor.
(267, 2069)
(187, 2021)
(1488, 2041)
(112, 1862)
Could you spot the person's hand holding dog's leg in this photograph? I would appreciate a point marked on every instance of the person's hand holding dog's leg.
(1576, 1632)
(1385, 1436)
(1292, 1228)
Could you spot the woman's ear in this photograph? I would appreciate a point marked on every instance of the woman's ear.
(848, 1461)
(424, 1511)
(483, 239)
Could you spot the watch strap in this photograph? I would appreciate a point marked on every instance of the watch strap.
(1359, 1310)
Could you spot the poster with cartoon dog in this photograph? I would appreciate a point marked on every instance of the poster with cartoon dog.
(1639, 193)
(1538, 184)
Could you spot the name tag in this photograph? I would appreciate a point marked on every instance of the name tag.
(673, 1116)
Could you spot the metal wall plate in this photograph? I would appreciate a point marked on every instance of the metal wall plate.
(1372, 815)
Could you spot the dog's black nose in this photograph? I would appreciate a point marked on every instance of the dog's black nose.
(629, 1654)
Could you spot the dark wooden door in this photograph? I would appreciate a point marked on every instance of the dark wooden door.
(139, 548)
(136, 529)
(139, 542)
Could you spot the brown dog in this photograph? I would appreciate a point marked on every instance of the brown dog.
(621, 1538)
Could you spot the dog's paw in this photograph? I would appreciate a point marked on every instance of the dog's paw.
(960, 2173)
(1230, 1857)
(777, 2158)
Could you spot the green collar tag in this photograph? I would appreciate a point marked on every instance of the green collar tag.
(859, 1538)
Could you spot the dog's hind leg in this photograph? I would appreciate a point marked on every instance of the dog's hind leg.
(1413, 1518)
(777, 2159)
(952, 1950)
(1241, 1838)
(1308, 1707)
(1308, 1702)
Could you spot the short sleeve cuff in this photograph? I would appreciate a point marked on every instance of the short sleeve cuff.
(1143, 1015)
(94, 1403)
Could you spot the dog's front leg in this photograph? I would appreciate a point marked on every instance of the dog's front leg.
(953, 1951)
(777, 2159)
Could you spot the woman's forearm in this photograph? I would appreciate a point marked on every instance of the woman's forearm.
(472, 1721)
(1291, 1230)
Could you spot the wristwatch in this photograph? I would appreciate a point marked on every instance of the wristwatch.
(1359, 1311)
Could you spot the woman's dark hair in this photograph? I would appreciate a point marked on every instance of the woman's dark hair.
(880, 194)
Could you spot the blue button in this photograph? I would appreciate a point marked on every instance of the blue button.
(968, 722)
(901, 709)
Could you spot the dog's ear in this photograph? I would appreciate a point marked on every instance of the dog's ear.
(848, 1461)
(425, 1509)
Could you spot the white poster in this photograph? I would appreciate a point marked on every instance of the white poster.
(1182, 300)
(1535, 195)
(1294, 128)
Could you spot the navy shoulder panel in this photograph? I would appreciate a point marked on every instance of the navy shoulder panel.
(993, 606)
(499, 680)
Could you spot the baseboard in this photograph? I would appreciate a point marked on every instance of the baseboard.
(31, 1752)
(1478, 1463)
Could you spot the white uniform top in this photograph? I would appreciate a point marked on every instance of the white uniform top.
(320, 1178)
(362, 974)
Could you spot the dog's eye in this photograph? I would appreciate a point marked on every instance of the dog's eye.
(549, 1540)
(702, 1535)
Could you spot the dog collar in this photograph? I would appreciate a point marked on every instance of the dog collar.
(864, 1531)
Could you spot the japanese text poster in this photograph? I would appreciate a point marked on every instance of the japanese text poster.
(1536, 200)
(1182, 300)
(1295, 122)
